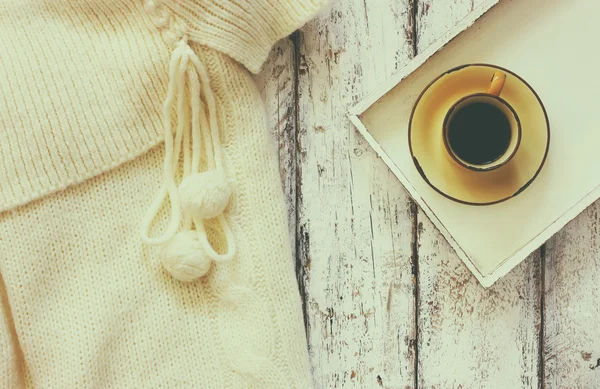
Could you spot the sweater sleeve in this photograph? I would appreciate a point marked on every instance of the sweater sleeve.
(243, 29)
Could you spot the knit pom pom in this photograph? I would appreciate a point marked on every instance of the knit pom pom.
(204, 195)
(184, 258)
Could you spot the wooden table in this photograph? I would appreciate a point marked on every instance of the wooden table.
(386, 301)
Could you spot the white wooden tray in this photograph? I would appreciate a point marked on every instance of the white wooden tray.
(552, 44)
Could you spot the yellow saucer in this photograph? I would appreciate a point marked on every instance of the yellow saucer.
(442, 172)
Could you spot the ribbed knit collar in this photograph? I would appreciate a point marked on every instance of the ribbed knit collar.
(82, 82)
(81, 85)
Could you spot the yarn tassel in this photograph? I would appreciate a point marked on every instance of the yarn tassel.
(186, 253)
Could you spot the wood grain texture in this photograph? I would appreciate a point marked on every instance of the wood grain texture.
(435, 17)
(470, 337)
(572, 314)
(276, 83)
(354, 218)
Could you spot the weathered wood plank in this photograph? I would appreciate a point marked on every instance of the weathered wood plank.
(276, 83)
(435, 17)
(572, 314)
(355, 223)
(470, 337)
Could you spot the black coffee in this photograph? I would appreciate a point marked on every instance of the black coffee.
(479, 133)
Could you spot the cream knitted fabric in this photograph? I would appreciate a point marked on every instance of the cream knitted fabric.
(83, 302)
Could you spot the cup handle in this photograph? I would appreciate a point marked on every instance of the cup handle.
(497, 84)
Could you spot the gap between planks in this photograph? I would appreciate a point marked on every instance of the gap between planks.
(301, 237)
(542, 331)
(413, 36)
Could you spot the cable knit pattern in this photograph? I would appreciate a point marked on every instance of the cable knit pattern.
(83, 302)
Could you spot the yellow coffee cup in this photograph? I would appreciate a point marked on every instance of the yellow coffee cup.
(482, 131)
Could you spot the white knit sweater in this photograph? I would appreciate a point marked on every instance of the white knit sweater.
(88, 88)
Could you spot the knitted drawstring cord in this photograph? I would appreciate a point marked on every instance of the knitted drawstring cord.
(186, 253)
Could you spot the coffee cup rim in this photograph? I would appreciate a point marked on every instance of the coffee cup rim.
(482, 168)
